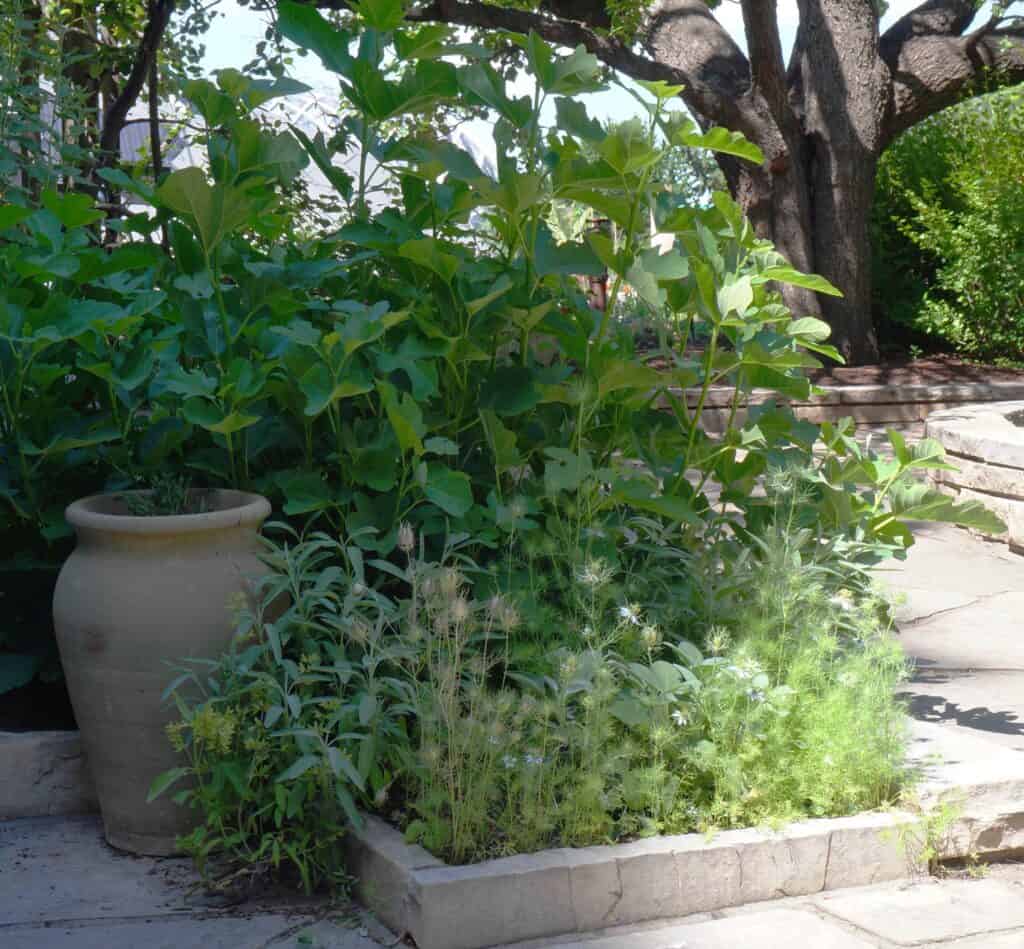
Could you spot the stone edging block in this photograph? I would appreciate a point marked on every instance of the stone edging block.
(578, 890)
(982, 432)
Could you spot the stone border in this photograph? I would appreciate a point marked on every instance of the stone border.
(988, 452)
(557, 892)
(875, 404)
(44, 774)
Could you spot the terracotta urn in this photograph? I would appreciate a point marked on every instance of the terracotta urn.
(137, 597)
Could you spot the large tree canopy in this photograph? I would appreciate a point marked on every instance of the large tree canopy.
(821, 119)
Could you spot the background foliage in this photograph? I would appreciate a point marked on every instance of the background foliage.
(948, 230)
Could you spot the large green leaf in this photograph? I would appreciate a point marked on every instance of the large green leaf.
(381, 15)
(569, 75)
(255, 92)
(572, 117)
(215, 210)
(405, 417)
(717, 140)
(304, 492)
(381, 99)
(501, 440)
(11, 214)
(428, 252)
(920, 502)
(417, 359)
(510, 390)
(786, 274)
(306, 27)
(565, 470)
(481, 85)
(735, 297)
(322, 389)
(570, 259)
(449, 490)
(211, 417)
(73, 209)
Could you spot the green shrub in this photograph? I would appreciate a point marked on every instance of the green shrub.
(418, 709)
(949, 228)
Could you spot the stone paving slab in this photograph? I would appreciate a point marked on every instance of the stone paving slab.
(61, 868)
(947, 559)
(63, 887)
(927, 913)
(988, 704)
(772, 929)
(985, 633)
(236, 932)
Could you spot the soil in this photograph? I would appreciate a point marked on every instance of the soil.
(929, 370)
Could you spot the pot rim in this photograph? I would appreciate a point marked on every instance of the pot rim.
(236, 509)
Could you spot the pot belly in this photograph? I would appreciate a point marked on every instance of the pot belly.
(126, 618)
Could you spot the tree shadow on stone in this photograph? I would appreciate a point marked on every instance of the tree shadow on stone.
(936, 708)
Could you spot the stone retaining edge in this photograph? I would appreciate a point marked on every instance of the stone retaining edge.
(953, 393)
(563, 891)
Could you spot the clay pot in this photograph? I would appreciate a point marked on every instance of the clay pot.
(137, 597)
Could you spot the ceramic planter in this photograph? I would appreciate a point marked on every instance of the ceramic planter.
(138, 596)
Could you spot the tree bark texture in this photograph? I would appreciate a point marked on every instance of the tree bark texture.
(822, 119)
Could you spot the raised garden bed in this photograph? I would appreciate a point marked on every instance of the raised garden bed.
(580, 890)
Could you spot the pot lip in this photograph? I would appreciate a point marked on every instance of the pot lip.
(235, 509)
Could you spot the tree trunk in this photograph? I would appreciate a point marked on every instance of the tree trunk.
(815, 206)
(844, 191)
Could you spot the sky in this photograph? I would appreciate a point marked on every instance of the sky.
(232, 40)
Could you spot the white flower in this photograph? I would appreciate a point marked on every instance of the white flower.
(509, 761)
(843, 601)
(630, 613)
(594, 573)
(679, 718)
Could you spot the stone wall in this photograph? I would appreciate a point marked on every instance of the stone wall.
(987, 447)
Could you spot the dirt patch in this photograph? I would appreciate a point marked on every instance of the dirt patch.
(932, 370)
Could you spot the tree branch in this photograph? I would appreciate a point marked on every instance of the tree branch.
(933, 72)
(564, 32)
(685, 34)
(761, 24)
(931, 18)
(116, 113)
(711, 59)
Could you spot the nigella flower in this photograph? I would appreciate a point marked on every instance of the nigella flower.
(843, 600)
(755, 695)
(509, 761)
(594, 573)
(533, 760)
(630, 613)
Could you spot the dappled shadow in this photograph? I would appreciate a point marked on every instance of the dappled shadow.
(936, 708)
